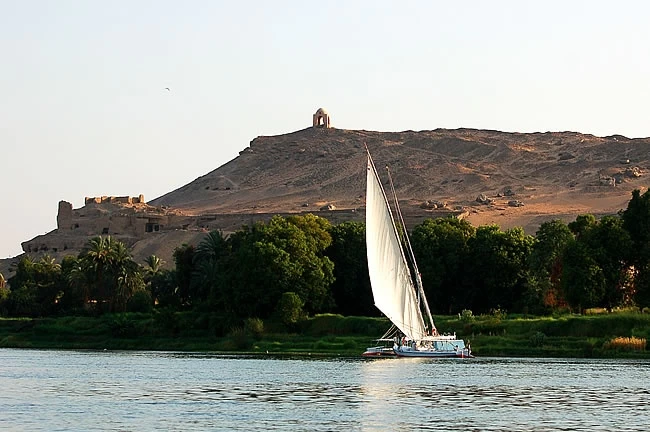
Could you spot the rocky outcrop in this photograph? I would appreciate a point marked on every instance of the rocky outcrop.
(607, 181)
(484, 199)
(433, 204)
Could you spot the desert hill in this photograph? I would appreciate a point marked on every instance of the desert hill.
(520, 179)
(553, 174)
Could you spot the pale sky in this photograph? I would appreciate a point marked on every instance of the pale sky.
(84, 110)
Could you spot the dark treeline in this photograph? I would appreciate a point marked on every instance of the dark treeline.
(301, 265)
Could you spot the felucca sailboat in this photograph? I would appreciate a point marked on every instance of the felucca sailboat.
(396, 283)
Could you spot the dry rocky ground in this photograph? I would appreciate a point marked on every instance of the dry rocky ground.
(521, 179)
(553, 174)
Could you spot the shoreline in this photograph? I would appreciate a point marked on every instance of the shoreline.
(334, 336)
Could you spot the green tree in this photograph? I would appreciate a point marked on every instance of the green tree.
(81, 278)
(582, 224)
(315, 268)
(76, 284)
(351, 289)
(154, 265)
(583, 281)
(636, 221)
(642, 286)
(111, 272)
(266, 260)
(441, 248)
(544, 287)
(140, 301)
(160, 283)
(209, 262)
(259, 273)
(164, 289)
(290, 309)
(610, 247)
(96, 260)
(37, 287)
(126, 276)
(184, 259)
(497, 268)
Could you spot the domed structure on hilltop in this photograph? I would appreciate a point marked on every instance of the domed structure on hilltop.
(321, 115)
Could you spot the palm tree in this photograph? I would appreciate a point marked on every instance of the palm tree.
(209, 253)
(115, 274)
(154, 264)
(78, 279)
(49, 287)
(211, 247)
(98, 258)
(129, 280)
(126, 276)
(47, 264)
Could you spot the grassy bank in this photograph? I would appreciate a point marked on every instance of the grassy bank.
(613, 335)
(609, 335)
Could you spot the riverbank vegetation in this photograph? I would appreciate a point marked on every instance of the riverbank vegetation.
(570, 336)
(291, 275)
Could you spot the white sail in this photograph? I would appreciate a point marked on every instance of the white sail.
(392, 285)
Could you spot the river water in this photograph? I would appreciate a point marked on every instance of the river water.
(146, 391)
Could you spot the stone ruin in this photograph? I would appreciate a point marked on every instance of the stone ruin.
(115, 200)
(126, 222)
(321, 115)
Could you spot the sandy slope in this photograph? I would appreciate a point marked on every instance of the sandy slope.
(555, 175)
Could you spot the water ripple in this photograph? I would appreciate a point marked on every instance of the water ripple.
(63, 390)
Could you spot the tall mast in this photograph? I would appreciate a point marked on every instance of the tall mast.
(422, 298)
(397, 283)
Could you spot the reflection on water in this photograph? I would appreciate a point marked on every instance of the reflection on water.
(507, 394)
(66, 390)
